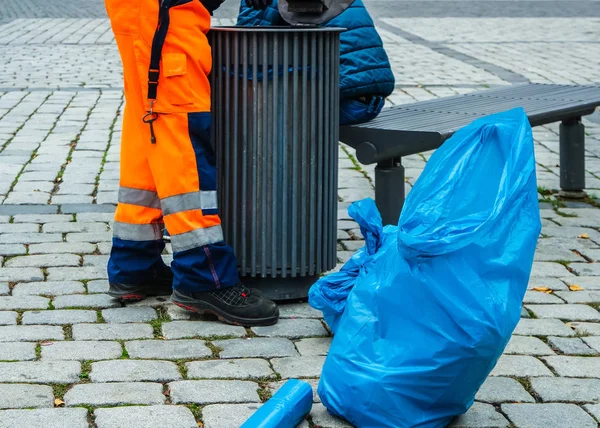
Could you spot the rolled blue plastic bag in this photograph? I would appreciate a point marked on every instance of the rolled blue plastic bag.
(286, 409)
(432, 310)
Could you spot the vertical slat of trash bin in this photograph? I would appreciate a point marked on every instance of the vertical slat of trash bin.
(285, 238)
(275, 106)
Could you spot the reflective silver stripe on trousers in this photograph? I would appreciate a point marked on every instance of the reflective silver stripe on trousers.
(142, 198)
(204, 200)
(138, 232)
(197, 238)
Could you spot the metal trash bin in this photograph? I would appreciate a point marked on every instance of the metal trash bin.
(275, 109)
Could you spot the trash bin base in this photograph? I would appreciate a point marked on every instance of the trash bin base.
(282, 289)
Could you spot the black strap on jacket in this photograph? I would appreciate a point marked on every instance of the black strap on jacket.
(157, 44)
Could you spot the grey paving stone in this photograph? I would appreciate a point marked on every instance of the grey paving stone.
(4, 289)
(480, 415)
(145, 417)
(178, 314)
(40, 372)
(313, 346)
(586, 328)
(23, 396)
(293, 329)
(548, 415)
(19, 228)
(76, 273)
(571, 346)
(520, 366)
(75, 227)
(44, 418)
(298, 310)
(62, 248)
(542, 327)
(95, 260)
(134, 371)
(537, 297)
(575, 366)
(99, 301)
(21, 274)
(59, 317)
(551, 283)
(525, 345)
(127, 315)
(81, 350)
(92, 217)
(8, 318)
(30, 333)
(25, 198)
(30, 238)
(115, 394)
(503, 390)
(17, 351)
(227, 415)
(104, 247)
(23, 302)
(256, 348)
(586, 269)
(583, 296)
(12, 249)
(168, 350)
(594, 409)
(567, 390)
(214, 391)
(151, 302)
(42, 218)
(547, 269)
(229, 369)
(98, 286)
(72, 199)
(48, 288)
(205, 329)
(273, 387)
(593, 342)
(94, 237)
(298, 367)
(566, 312)
(322, 418)
(7, 209)
(112, 331)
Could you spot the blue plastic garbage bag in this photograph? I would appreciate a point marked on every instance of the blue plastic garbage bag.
(426, 322)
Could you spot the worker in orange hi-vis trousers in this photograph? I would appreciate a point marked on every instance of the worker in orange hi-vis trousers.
(168, 173)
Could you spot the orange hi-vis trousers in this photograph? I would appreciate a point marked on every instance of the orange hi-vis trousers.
(168, 174)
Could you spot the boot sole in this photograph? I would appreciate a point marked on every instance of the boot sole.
(130, 296)
(202, 308)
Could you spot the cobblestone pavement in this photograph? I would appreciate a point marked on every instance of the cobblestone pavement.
(73, 357)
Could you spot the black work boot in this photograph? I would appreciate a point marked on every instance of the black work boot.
(160, 285)
(233, 305)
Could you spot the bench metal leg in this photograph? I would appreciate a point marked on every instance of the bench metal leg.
(572, 159)
(389, 189)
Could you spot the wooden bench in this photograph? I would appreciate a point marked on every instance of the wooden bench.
(418, 127)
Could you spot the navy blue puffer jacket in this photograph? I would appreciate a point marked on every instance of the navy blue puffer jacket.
(366, 77)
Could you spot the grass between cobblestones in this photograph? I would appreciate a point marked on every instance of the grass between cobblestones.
(86, 368)
(215, 349)
(124, 354)
(38, 351)
(60, 389)
(99, 317)
(196, 411)
(68, 329)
